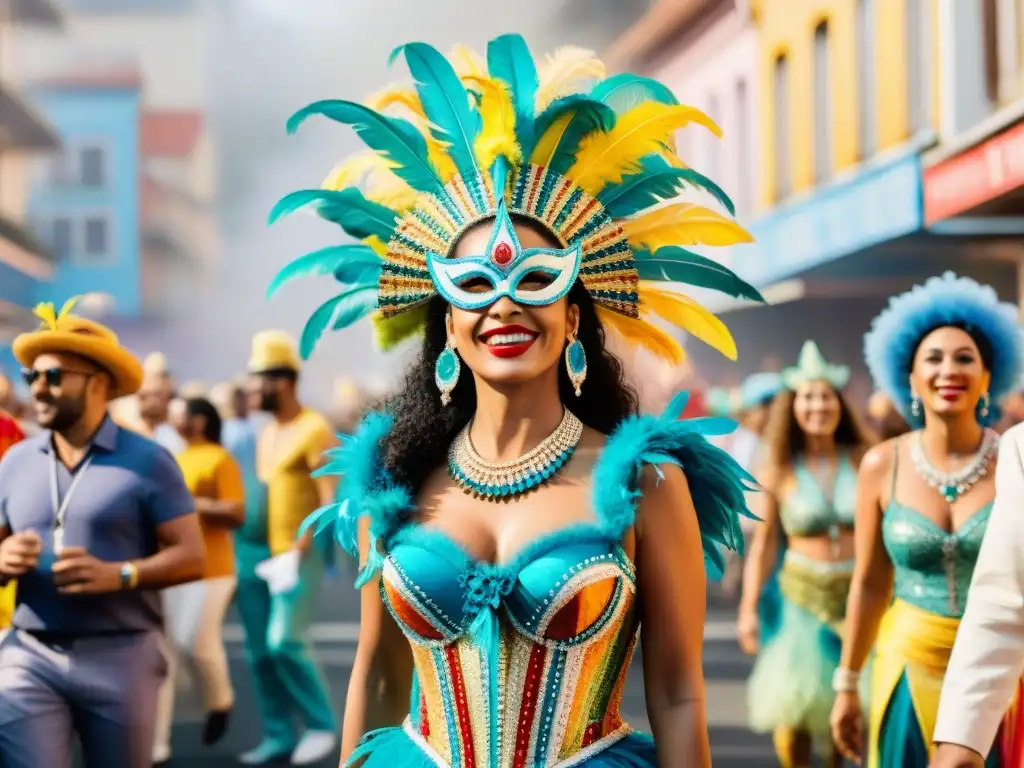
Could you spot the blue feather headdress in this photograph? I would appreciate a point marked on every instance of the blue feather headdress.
(759, 388)
(890, 345)
(591, 163)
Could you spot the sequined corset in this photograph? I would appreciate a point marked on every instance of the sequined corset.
(518, 665)
(933, 568)
(807, 512)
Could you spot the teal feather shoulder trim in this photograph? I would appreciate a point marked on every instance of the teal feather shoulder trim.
(366, 490)
(717, 483)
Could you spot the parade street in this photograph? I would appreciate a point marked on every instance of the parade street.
(334, 635)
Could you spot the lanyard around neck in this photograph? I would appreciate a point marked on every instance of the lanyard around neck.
(60, 507)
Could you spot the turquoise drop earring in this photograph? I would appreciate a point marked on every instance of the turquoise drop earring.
(576, 365)
(446, 371)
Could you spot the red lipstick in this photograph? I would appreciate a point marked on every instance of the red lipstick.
(513, 348)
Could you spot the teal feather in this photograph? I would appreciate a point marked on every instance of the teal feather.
(393, 137)
(624, 91)
(341, 311)
(509, 60)
(445, 103)
(674, 264)
(348, 208)
(657, 180)
(717, 483)
(499, 174)
(343, 261)
(589, 116)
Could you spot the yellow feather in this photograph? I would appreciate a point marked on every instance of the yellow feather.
(398, 199)
(351, 171)
(47, 314)
(545, 148)
(683, 224)
(397, 95)
(377, 245)
(68, 306)
(641, 333)
(683, 312)
(466, 62)
(647, 128)
(566, 71)
(497, 137)
(437, 154)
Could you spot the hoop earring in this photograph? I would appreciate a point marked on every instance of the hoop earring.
(576, 365)
(984, 405)
(446, 371)
(915, 406)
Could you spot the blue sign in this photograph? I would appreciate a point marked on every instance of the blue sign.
(879, 204)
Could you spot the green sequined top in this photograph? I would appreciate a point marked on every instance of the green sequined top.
(933, 567)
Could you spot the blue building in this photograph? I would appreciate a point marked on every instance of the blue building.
(25, 262)
(86, 204)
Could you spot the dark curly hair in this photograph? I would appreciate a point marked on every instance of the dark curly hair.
(423, 429)
(784, 439)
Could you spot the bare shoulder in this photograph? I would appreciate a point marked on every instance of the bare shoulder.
(877, 463)
(664, 496)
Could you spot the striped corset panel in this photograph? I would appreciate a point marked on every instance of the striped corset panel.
(518, 666)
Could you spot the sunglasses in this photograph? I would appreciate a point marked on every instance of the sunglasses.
(51, 376)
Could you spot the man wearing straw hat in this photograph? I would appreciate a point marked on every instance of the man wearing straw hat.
(94, 519)
(290, 447)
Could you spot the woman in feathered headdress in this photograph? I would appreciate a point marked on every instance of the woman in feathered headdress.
(512, 503)
(812, 446)
(944, 353)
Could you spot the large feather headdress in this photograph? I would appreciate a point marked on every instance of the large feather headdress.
(595, 164)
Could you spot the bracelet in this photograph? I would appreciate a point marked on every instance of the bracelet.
(129, 576)
(845, 680)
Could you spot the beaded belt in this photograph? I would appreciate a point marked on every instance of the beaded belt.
(819, 588)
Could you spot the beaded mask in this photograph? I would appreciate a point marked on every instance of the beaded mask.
(589, 159)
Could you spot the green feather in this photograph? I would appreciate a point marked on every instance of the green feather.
(392, 331)
(395, 138)
(657, 180)
(624, 91)
(589, 116)
(673, 264)
(339, 312)
(509, 60)
(351, 259)
(347, 208)
(445, 103)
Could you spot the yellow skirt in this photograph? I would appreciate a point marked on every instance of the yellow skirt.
(911, 655)
(7, 604)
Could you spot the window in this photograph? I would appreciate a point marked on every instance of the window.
(919, 62)
(714, 144)
(60, 238)
(783, 169)
(866, 100)
(59, 170)
(742, 132)
(93, 166)
(822, 106)
(97, 237)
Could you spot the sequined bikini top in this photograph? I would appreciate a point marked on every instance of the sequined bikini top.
(806, 510)
(524, 663)
(932, 567)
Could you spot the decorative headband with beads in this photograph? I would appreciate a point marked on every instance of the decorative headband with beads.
(594, 164)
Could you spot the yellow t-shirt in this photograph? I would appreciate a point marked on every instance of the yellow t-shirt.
(7, 604)
(212, 473)
(285, 456)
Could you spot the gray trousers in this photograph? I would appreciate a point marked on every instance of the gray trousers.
(103, 688)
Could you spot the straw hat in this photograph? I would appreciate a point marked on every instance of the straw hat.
(66, 333)
(272, 351)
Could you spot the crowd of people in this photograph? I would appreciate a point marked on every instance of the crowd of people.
(515, 517)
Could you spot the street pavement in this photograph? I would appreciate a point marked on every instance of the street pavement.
(725, 667)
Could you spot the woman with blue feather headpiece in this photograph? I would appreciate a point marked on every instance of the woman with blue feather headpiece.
(813, 444)
(509, 506)
(944, 353)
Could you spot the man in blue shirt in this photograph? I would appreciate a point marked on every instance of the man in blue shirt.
(94, 519)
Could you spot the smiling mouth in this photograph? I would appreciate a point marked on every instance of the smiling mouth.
(950, 392)
(508, 341)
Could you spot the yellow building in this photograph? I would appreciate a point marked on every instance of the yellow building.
(840, 81)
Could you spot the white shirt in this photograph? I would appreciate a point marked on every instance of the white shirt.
(988, 656)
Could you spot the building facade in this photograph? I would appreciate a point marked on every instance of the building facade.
(25, 262)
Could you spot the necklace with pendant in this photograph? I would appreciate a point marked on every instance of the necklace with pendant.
(953, 485)
(492, 480)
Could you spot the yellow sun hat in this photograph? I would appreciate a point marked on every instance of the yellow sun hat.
(273, 350)
(66, 333)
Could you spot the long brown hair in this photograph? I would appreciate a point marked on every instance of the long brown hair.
(784, 440)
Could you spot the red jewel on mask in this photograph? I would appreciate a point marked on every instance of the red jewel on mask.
(502, 253)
